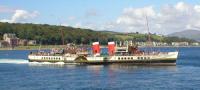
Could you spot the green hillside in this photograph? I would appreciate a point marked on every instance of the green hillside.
(51, 34)
(191, 34)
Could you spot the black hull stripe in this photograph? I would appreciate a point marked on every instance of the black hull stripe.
(113, 62)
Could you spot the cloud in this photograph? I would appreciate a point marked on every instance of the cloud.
(5, 9)
(169, 19)
(21, 16)
(165, 20)
(134, 18)
(91, 13)
(71, 18)
(86, 25)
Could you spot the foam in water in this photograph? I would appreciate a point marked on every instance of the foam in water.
(46, 63)
(23, 61)
(14, 61)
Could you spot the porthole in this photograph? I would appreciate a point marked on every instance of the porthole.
(118, 58)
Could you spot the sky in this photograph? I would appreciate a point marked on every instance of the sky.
(163, 16)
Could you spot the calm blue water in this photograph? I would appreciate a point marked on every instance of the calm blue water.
(17, 74)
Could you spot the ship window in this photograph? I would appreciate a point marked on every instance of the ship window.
(118, 58)
(125, 58)
(144, 57)
(131, 58)
(141, 57)
(121, 58)
(138, 58)
(128, 58)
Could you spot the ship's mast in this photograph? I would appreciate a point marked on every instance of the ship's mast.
(62, 34)
(61, 31)
(149, 36)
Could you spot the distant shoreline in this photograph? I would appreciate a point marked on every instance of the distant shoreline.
(45, 47)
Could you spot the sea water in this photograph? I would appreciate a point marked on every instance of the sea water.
(16, 73)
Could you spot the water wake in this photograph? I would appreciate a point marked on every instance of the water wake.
(14, 61)
(46, 63)
(24, 61)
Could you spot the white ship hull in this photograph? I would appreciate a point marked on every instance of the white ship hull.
(161, 58)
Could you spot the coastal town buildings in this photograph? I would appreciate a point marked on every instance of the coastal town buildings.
(11, 40)
(32, 42)
(3, 44)
(23, 42)
(160, 44)
(180, 44)
(195, 44)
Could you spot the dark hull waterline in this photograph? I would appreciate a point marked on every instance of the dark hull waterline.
(105, 62)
